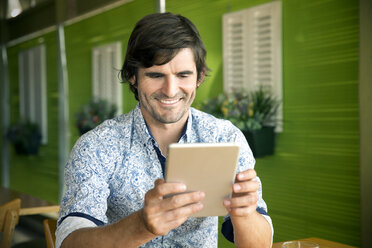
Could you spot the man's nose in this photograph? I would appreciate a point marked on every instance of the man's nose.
(170, 86)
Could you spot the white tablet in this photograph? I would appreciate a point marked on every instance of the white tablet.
(207, 167)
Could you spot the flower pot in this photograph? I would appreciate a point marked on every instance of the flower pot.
(29, 145)
(25, 136)
(261, 141)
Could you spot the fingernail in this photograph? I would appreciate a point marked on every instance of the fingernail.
(241, 176)
(237, 187)
(199, 206)
(227, 202)
(183, 187)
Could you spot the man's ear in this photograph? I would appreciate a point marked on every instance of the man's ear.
(133, 81)
(200, 80)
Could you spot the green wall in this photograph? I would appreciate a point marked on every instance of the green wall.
(311, 184)
(36, 175)
(313, 181)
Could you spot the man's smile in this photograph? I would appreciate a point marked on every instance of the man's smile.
(170, 102)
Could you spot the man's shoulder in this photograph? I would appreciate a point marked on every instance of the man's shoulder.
(212, 129)
(204, 119)
(110, 130)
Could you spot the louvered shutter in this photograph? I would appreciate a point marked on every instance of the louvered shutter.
(252, 50)
(105, 67)
(234, 50)
(32, 88)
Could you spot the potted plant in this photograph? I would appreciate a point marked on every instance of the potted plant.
(93, 114)
(252, 112)
(25, 136)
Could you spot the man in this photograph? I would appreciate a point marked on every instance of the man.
(116, 191)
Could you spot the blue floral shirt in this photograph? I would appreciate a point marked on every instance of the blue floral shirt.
(113, 166)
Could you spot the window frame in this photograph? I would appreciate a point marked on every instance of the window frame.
(106, 63)
(33, 88)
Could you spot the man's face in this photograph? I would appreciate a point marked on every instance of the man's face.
(167, 91)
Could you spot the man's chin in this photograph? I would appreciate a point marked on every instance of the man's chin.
(170, 118)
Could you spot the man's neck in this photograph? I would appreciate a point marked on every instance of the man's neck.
(166, 134)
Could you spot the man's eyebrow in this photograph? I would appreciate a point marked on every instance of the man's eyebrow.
(151, 73)
(186, 72)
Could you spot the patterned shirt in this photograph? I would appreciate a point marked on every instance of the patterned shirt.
(113, 166)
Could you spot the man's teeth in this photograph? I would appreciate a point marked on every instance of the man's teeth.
(169, 101)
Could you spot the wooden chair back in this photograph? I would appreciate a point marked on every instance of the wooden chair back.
(9, 217)
(50, 226)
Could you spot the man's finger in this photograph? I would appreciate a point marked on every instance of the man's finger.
(242, 201)
(162, 189)
(246, 186)
(177, 201)
(182, 212)
(246, 175)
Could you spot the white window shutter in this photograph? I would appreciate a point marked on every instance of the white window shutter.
(106, 61)
(252, 50)
(32, 88)
(234, 48)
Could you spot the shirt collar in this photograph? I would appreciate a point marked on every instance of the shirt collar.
(185, 137)
(140, 126)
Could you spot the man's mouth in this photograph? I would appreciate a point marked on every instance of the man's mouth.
(164, 101)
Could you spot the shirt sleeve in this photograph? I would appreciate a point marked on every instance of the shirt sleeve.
(86, 178)
(69, 225)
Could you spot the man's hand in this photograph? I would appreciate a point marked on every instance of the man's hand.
(250, 227)
(159, 215)
(244, 198)
(162, 214)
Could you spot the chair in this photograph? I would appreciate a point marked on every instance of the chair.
(9, 217)
(50, 226)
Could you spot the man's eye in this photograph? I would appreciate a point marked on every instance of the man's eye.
(155, 75)
(183, 75)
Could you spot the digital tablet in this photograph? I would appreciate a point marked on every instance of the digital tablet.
(207, 167)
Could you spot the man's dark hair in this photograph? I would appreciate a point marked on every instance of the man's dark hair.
(156, 39)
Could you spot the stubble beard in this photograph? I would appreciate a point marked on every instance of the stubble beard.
(170, 117)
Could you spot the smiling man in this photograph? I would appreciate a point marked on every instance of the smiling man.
(115, 188)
